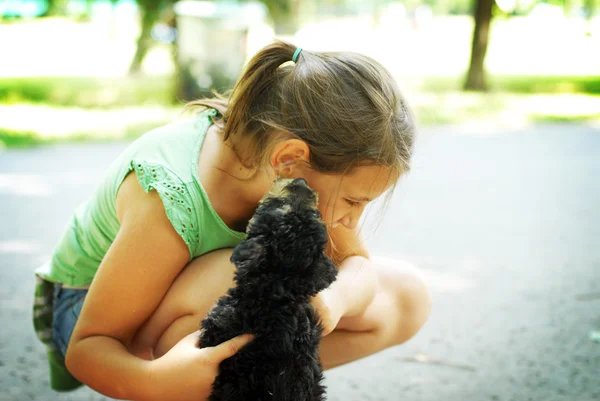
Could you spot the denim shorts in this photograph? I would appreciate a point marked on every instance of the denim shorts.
(66, 308)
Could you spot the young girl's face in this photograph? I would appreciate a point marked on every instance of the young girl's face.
(343, 198)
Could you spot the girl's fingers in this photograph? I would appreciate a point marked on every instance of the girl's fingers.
(229, 348)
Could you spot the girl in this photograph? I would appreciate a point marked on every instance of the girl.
(142, 262)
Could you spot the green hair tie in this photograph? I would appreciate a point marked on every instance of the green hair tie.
(296, 54)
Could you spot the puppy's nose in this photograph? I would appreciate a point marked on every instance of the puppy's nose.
(300, 181)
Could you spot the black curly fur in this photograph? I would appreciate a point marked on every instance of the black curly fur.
(280, 266)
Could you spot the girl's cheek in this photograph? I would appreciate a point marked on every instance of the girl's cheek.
(336, 213)
(327, 210)
(325, 213)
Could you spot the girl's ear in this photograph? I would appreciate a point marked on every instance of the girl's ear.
(287, 155)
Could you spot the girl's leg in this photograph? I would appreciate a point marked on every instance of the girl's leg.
(208, 277)
(401, 289)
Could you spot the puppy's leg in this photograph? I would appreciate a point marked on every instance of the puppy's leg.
(297, 380)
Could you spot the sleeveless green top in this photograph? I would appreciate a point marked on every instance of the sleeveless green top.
(164, 160)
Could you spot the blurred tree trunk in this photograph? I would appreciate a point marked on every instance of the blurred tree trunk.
(483, 17)
(149, 14)
(589, 7)
(56, 7)
(284, 14)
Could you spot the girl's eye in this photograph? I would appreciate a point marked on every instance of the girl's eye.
(352, 203)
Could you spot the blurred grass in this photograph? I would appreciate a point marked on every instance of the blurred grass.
(436, 108)
(25, 139)
(159, 90)
(564, 118)
(87, 92)
(522, 84)
(19, 139)
(45, 110)
(501, 108)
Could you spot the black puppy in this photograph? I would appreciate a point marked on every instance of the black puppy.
(280, 266)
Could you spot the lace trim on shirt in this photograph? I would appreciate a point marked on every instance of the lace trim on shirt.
(175, 196)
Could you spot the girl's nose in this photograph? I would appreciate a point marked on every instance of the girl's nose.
(348, 221)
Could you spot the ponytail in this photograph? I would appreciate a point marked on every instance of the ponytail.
(257, 78)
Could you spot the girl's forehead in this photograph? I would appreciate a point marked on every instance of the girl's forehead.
(365, 181)
(373, 178)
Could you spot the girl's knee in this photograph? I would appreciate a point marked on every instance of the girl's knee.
(177, 330)
(200, 283)
(409, 290)
(193, 292)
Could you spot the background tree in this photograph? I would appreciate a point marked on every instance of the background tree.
(150, 11)
(56, 7)
(590, 7)
(476, 79)
(284, 14)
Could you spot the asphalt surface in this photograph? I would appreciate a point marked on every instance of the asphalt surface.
(504, 223)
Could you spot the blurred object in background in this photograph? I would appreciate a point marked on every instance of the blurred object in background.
(214, 41)
(422, 16)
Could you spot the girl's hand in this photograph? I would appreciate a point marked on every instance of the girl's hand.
(329, 309)
(186, 372)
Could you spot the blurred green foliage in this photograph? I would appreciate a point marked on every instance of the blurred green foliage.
(442, 7)
(19, 139)
(88, 92)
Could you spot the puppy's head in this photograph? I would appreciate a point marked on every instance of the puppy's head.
(286, 237)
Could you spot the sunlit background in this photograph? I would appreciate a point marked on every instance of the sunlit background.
(69, 69)
(500, 211)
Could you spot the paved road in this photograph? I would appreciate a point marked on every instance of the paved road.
(505, 224)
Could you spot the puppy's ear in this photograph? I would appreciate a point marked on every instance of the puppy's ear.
(248, 253)
(326, 272)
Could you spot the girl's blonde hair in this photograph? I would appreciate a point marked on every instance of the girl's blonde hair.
(345, 106)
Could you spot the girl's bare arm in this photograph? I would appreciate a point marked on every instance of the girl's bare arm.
(133, 277)
(356, 284)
